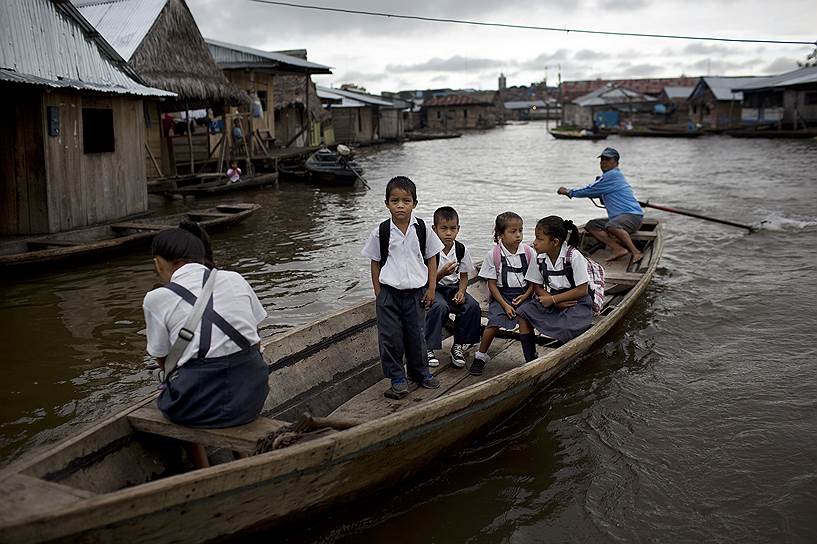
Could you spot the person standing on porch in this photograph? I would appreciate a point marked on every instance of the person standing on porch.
(624, 214)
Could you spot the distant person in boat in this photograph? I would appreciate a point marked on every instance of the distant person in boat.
(561, 307)
(624, 215)
(504, 269)
(234, 172)
(404, 277)
(221, 378)
(453, 265)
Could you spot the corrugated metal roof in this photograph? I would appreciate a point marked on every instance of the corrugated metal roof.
(124, 23)
(229, 54)
(678, 92)
(726, 87)
(46, 42)
(464, 99)
(524, 104)
(611, 95)
(351, 99)
(801, 76)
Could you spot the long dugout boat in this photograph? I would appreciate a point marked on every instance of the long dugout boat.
(126, 477)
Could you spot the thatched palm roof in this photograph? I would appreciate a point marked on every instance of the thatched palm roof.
(171, 53)
(289, 91)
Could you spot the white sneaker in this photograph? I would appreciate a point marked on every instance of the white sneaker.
(457, 355)
(432, 359)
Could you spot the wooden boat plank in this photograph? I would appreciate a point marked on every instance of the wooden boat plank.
(138, 226)
(44, 244)
(622, 278)
(244, 438)
(644, 235)
(23, 495)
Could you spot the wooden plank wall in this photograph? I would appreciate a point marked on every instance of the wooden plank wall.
(23, 204)
(153, 137)
(85, 189)
(354, 125)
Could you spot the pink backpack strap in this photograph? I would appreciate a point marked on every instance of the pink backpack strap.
(529, 253)
(497, 260)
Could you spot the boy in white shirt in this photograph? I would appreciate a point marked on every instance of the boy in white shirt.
(404, 277)
(453, 265)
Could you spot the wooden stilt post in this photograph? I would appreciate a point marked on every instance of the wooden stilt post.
(189, 137)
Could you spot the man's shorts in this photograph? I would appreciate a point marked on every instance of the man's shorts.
(627, 221)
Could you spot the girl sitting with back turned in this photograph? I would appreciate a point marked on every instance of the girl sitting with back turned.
(562, 307)
(220, 379)
(504, 269)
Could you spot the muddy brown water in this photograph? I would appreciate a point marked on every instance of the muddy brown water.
(694, 420)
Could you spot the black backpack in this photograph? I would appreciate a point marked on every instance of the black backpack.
(385, 236)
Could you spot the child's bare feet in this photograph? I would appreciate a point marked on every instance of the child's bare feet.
(617, 255)
(637, 256)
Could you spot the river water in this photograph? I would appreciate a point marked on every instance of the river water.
(694, 420)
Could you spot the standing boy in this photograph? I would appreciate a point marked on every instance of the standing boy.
(402, 252)
(453, 267)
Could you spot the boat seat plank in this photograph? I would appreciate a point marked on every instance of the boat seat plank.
(211, 214)
(39, 244)
(244, 438)
(138, 226)
(23, 496)
(622, 278)
(371, 403)
(644, 235)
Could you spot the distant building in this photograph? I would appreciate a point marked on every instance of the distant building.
(503, 83)
(610, 107)
(72, 123)
(291, 112)
(571, 90)
(527, 110)
(715, 102)
(362, 118)
(674, 100)
(788, 100)
(161, 41)
(481, 109)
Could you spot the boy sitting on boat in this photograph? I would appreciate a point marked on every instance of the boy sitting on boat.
(453, 265)
(402, 253)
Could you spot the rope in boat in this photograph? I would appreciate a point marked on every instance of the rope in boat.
(528, 27)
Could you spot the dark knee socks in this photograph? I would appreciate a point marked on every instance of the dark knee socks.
(528, 346)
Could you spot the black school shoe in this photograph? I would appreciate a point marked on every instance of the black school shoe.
(430, 383)
(397, 391)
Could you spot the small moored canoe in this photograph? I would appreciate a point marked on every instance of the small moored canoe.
(30, 250)
(124, 478)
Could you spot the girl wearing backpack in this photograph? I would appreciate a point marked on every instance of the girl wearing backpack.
(504, 270)
(562, 306)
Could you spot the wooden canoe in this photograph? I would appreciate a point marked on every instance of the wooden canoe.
(577, 135)
(32, 250)
(123, 479)
(222, 185)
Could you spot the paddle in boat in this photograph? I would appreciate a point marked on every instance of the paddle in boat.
(18, 252)
(327, 433)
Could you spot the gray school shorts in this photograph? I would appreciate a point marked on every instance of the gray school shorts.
(627, 221)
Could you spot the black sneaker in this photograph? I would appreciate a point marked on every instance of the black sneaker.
(477, 367)
(432, 359)
(397, 391)
(457, 355)
(430, 383)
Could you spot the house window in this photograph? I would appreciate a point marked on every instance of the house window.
(465, 114)
(438, 114)
(97, 130)
(810, 98)
(262, 96)
(359, 121)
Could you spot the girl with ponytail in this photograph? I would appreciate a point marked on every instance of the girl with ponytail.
(561, 307)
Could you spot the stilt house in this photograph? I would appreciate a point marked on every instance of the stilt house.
(788, 100)
(715, 103)
(480, 110)
(363, 118)
(71, 122)
(161, 41)
(290, 113)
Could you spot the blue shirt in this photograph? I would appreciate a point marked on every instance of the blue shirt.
(617, 193)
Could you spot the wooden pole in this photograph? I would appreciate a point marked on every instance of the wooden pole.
(153, 160)
(189, 137)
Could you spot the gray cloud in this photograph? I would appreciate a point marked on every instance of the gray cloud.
(780, 65)
(590, 55)
(456, 63)
(354, 76)
(629, 5)
(641, 70)
(700, 48)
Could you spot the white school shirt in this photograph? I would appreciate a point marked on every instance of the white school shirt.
(233, 298)
(489, 271)
(466, 265)
(577, 260)
(405, 268)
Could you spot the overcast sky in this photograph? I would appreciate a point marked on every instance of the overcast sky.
(391, 54)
